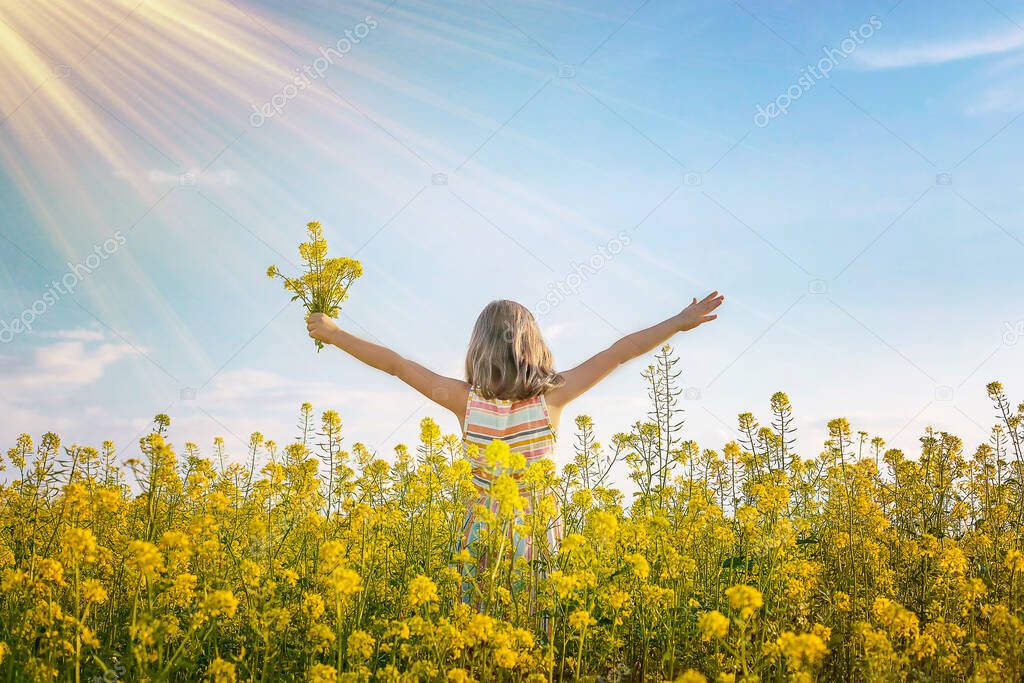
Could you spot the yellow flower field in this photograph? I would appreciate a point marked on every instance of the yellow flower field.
(767, 560)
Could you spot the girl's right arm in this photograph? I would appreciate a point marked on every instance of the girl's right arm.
(589, 373)
(445, 391)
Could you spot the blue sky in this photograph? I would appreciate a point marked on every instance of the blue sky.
(869, 240)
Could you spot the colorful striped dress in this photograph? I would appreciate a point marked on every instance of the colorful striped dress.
(526, 427)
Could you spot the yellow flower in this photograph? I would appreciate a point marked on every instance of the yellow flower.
(322, 637)
(344, 582)
(13, 579)
(583, 498)
(563, 583)
(523, 639)
(322, 673)
(481, 628)
(581, 619)
(691, 676)
(505, 490)
(222, 671)
(324, 284)
(51, 570)
(332, 556)
(617, 599)
(177, 546)
(498, 456)
(145, 557)
(93, 591)
(505, 657)
(640, 566)
(975, 589)
(221, 603)
(80, 545)
(604, 525)
(250, 572)
(953, 562)
(313, 605)
(174, 540)
(744, 599)
(288, 576)
(422, 590)
(572, 543)
(360, 644)
(459, 676)
(219, 501)
(713, 624)
(1015, 560)
(181, 592)
(803, 650)
(897, 619)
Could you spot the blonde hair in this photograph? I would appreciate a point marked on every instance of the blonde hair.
(507, 356)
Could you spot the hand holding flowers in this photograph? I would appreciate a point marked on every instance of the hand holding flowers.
(323, 286)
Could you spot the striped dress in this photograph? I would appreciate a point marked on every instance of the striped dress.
(526, 427)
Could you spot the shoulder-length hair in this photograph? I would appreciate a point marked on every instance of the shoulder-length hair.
(507, 356)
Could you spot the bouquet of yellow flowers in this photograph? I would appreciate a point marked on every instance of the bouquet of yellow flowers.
(323, 287)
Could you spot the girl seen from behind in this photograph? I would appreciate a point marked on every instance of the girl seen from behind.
(511, 400)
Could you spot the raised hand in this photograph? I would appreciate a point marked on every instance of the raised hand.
(321, 327)
(699, 312)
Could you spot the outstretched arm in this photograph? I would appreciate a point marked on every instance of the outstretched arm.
(445, 391)
(589, 373)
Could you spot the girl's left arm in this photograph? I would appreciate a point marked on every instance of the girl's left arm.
(587, 374)
(445, 391)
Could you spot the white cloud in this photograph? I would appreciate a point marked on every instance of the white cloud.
(233, 405)
(940, 53)
(242, 401)
(996, 98)
(237, 390)
(37, 383)
(78, 357)
(1003, 91)
(80, 334)
(65, 365)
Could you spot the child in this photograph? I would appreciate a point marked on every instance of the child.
(512, 391)
(509, 361)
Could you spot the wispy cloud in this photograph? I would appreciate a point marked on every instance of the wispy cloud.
(239, 402)
(77, 334)
(997, 98)
(38, 385)
(79, 358)
(941, 52)
(1003, 89)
